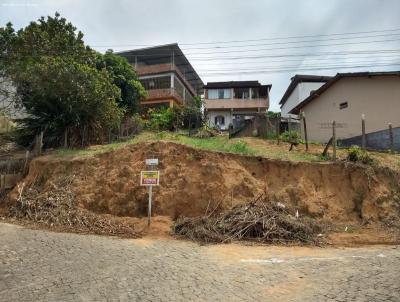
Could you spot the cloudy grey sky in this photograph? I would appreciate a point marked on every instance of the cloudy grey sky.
(270, 56)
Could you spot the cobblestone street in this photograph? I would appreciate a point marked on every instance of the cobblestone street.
(38, 265)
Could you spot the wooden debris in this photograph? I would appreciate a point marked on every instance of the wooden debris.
(260, 220)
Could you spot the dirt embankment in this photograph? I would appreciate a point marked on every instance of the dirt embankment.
(193, 180)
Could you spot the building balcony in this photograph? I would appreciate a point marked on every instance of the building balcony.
(165, 94)
(145, 70)
(262, 103)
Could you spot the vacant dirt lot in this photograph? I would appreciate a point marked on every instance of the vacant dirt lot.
(194, 181)
(38, 265)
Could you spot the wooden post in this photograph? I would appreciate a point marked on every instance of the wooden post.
(303, 116)
(26, 161)
(278, 130)
(289, 127)
(40, 142)
(363, 137)
(66, 138)
(391, 139)
(2, 181)
(334, 139)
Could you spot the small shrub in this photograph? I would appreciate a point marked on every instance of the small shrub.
(240, 147)
(290, 137)
(162, 119)
(356, 154)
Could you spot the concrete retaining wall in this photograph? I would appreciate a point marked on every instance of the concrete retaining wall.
(375, 141)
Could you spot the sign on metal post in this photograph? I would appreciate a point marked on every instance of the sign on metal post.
(150, 178)
(152, 161)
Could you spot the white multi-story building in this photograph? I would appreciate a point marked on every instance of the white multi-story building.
(300, 88)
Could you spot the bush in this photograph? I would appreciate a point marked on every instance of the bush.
(162, 119)
(356, 154)
(290, 136)
(240, 147)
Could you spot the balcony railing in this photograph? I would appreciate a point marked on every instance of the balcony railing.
(236, 103)
(168, 93)
(160, 68)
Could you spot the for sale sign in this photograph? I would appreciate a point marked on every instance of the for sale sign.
(149, 178)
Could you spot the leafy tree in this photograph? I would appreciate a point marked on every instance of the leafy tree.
(61, 95)
(272, 114)
(123, 76)
(7, 37)
(51, 37)
(63, 84)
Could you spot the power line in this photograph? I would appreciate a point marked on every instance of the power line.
(299, 60)
(261, 39)
(297, 66)
(280, 43)
(339, 53)
(293, 47)
(295, 70)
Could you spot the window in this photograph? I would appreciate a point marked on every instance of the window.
(219, 120)
(215, 94)
(242, 93)
(156, 83)
(343, 105)
(255, 93)
(178, 86)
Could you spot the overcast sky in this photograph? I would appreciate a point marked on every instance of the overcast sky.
(270, 57)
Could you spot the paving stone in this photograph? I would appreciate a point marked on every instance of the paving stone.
(37, 265)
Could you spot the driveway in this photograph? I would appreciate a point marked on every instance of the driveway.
(37, 265)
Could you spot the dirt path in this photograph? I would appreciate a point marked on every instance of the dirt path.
(37, 265)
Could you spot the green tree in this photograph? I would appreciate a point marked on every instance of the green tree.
(7, 37)
(272, 114)
(58, 82)
(123, 76)
(61, 95)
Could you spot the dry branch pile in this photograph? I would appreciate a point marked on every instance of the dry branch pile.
(260, 220)
(57, 208)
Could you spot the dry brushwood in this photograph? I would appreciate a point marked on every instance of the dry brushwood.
(260, 220)
(57, 207)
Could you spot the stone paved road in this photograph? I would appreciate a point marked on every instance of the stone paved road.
(38, 265)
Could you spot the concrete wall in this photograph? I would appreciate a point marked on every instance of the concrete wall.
(379, 140)
(377, 97)
(301, 92)
(225, 113)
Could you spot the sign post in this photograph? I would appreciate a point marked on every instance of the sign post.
(149, 179)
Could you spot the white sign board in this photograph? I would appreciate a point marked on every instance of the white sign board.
(152, 161)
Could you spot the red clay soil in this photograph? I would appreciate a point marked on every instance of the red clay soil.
(193, 181)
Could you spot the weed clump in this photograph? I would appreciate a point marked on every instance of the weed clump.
(356, 154)
(290, 137)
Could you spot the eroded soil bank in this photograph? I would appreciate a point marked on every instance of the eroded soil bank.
(193, 181)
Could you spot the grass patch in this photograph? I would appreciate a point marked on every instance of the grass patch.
(218, 143)
(245, 146)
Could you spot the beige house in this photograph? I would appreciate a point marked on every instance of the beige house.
(348, 96)
(234, 103)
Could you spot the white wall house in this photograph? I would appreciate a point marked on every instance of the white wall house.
(300, 88)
